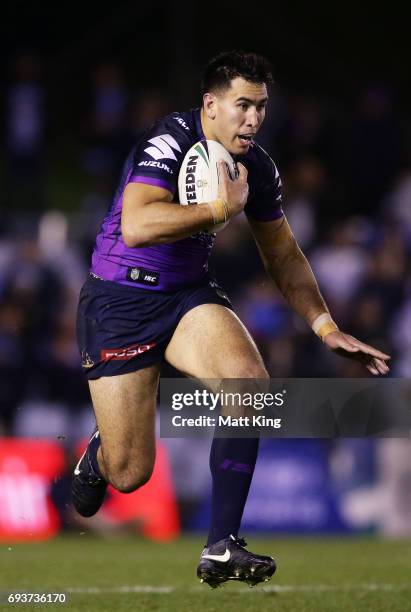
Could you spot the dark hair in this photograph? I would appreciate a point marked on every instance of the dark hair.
(229, 65)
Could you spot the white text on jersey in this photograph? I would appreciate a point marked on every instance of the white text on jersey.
(182, 123)
(163, 147)
(156, 164)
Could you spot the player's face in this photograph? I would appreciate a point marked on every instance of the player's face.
(238, 114)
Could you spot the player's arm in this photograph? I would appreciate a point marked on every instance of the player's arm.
(150, 217)
(288, 267)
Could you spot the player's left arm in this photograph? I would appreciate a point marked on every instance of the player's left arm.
(288, 267)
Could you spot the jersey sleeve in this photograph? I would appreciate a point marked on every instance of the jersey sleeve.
(159, 155)
(265, 197)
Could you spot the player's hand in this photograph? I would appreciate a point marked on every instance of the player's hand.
(348, 346)
(233, 191)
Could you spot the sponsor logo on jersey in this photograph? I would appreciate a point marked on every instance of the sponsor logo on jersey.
(143, 276)
(124, 354)
(190, 181)
(163, 147)
(156, 164)
(182, 123)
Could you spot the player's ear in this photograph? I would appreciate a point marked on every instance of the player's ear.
(209, 102)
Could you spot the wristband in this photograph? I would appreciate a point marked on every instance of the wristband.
(222, 212)
(219, 210)
(213, 212)
(324, 325)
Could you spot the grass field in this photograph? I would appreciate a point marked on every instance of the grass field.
(127, 573)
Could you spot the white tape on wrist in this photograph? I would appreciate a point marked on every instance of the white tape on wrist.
(324, 325)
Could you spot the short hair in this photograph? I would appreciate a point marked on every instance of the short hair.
(229, 65)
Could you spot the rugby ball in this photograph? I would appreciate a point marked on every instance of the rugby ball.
(198, 177)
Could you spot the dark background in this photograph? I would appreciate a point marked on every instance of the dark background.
(325, 48)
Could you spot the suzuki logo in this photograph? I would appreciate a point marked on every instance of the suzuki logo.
(163, 147)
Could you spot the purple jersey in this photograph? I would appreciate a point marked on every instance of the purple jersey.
(156, 160)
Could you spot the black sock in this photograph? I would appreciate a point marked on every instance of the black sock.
(232, 463)
(92, 456)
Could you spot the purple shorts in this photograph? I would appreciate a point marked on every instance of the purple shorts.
(122, 329)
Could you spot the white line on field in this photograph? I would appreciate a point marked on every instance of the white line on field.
(278, 588)
(294, 588)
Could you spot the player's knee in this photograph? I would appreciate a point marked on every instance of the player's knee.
(252, 370)
(248, 377)
(127, 479)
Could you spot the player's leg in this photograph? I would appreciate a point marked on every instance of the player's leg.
(125, 412)
(122, 339)
(210, 342)
(122, 450)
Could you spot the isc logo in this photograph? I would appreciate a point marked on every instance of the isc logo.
(140, 275)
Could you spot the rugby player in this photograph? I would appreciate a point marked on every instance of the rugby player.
(149, 297)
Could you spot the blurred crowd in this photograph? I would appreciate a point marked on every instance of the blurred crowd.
(346, 172)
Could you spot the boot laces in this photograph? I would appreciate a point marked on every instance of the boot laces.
(240, 541)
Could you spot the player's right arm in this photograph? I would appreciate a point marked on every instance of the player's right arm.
(150, 217)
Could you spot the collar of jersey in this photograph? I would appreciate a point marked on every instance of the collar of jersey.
(199, 129)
